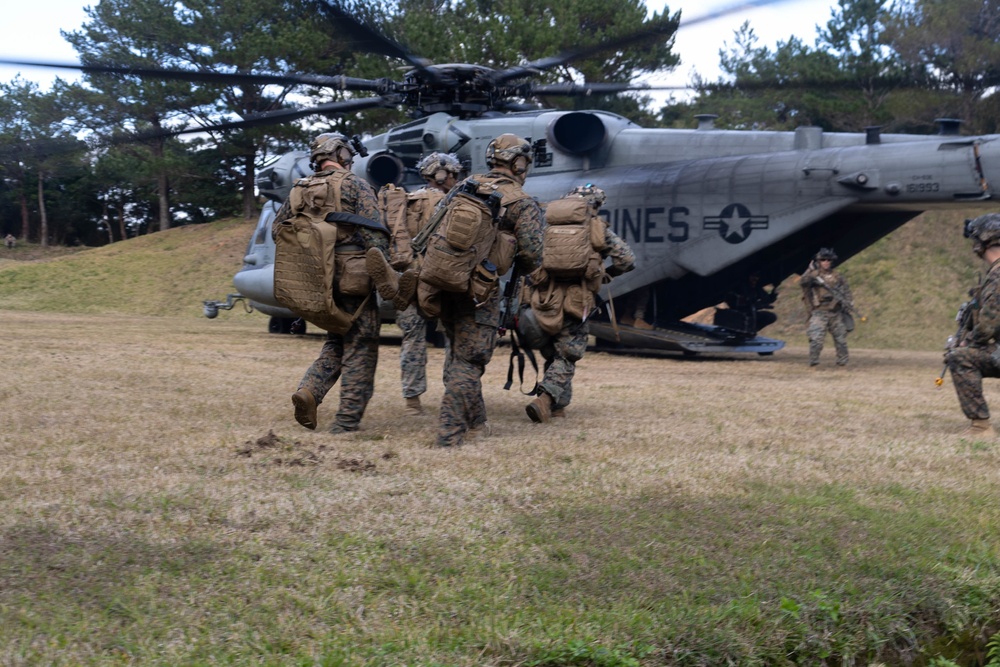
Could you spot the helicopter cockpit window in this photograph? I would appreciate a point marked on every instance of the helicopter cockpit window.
(264, 225)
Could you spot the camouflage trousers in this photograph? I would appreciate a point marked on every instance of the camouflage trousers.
(413, 351)
(820, 322)
(472, 335)
(968, 366)
(561, 354)
(350, 358)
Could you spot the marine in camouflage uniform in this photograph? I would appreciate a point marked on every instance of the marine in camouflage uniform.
(472, 330)
(440, 171)
(974, 354)
(563, 350)
(350, 357)
(828, 298)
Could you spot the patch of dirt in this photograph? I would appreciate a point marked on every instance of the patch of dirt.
(275, 450)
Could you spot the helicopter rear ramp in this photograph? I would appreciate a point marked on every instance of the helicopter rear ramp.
(684, 337)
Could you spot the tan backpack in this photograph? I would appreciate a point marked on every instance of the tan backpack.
(404, 215)
(305, 258)
(465, 252)
(574, 237)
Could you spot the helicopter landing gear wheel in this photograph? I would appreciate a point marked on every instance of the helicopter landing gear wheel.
(280, 325)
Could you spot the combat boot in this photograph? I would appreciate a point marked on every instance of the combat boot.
(483, 430)
(979, 428)
(413, 407)
(305, 408)
(407, 289)
(540, 409)
(559, 413)
(642, 324)
(385, 278)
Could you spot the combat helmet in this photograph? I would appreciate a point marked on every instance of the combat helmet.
(826, 253)
(510, 152)
(984, 232)
(333, 146)
(437, 167)
(591, 192)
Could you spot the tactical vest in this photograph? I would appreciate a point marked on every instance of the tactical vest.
(307, 259)
(467, 252)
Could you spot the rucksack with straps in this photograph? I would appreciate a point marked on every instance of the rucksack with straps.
(305, 261)
(574, 236)
(465, 252)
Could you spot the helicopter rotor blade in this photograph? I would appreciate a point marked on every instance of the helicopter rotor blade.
(373, 41)
(272, 117)
(588, 89)
(664, 26)
(336, 82)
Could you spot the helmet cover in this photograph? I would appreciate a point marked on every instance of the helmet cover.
(437, 162)
(984, 232)
(589, 191)
(506, 149)
(332, 145)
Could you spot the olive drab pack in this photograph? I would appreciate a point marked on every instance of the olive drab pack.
(574, 237)
(305, 254)
(467, 253)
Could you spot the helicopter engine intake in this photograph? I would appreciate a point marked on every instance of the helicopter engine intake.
(577, 133)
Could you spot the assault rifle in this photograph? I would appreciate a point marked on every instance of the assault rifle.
(510, 301)
(964, 319)
(841, 298)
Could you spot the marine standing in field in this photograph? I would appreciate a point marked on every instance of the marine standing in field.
(490, 216)
(974, 353)
(565, 286)
(350, 357)
(829, 302)
(405, 219)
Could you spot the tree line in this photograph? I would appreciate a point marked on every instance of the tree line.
(72, 172)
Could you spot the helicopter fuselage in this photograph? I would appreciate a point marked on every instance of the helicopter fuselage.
(701, 208)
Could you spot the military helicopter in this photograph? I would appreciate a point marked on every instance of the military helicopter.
(702, 208)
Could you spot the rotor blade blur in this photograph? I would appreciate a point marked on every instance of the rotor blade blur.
(273, 117)
(587, 89)
(664, 26)
(364, 37)
(336, 82)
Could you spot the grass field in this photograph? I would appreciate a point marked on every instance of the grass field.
(162, 507)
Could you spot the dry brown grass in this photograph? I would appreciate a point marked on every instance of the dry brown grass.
(121, 453)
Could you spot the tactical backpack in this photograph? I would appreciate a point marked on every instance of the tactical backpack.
(405, 214)
(466, 253)
(306, 261)
(574, 237)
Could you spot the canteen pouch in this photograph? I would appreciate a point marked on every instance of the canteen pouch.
(352, 274)
(547, 304)
(502, 252)
(484, 283)
(446, 267)
(428, 301)
(578, 301)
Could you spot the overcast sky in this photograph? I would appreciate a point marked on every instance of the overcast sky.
(30, 30)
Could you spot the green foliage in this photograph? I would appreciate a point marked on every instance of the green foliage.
(993, 651)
